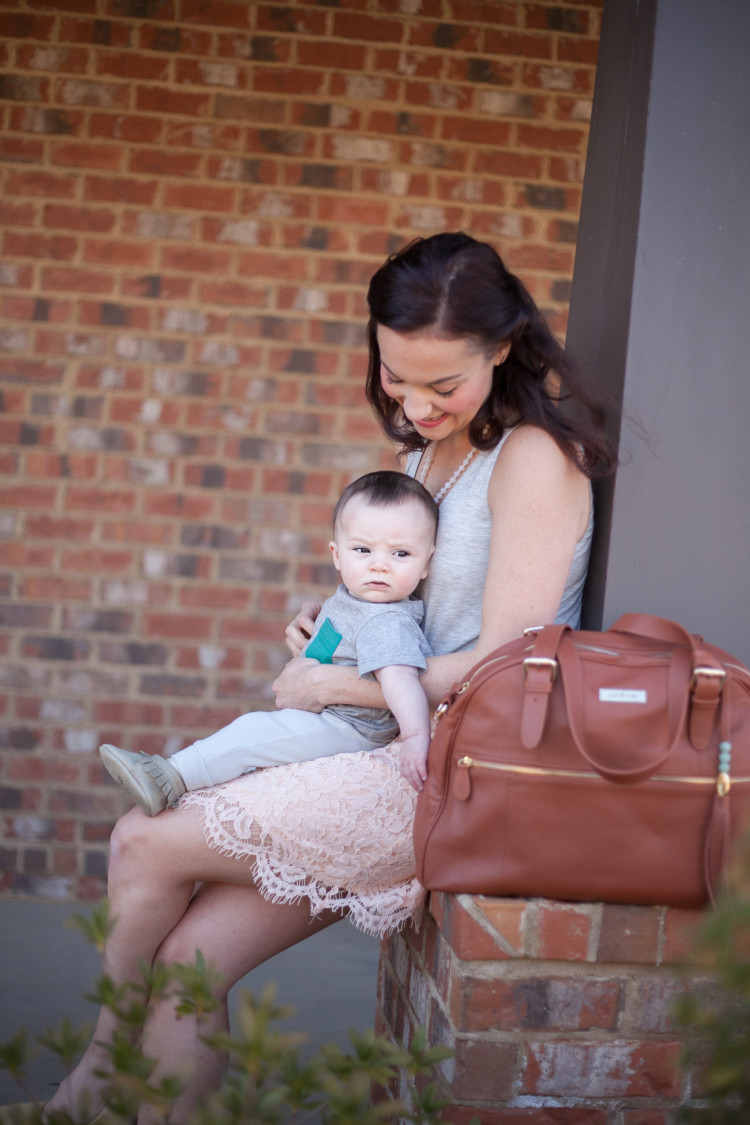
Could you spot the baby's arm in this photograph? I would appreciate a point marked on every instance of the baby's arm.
(405, 698)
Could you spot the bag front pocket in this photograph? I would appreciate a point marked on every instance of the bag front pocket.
(570, 834)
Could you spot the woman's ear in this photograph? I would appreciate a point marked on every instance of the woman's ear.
(502, 354)
(335, 552)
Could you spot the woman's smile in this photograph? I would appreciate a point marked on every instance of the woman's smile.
(428, 423)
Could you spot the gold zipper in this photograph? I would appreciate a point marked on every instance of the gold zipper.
(443, 708)
(538, 771)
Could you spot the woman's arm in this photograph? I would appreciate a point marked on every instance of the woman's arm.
(310, 686)
(540, 508)
(540, 504)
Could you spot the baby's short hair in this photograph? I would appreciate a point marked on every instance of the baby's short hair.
(384, 489)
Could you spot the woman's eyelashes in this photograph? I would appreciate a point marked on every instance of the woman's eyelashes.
(389, 379)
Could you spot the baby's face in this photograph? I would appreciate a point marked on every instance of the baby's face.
(382, 552)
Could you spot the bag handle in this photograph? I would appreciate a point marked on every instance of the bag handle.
(677, 702)
(700, 683)
(657, 628)
(707, 677)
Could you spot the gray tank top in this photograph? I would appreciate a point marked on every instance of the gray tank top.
(454, 587)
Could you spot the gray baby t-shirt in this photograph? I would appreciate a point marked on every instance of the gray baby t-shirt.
(373, 636)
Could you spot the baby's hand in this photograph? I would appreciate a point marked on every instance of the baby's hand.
(412, 759)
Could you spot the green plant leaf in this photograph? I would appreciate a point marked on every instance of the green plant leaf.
(269, 1081)
(15, 1053)
(67, 1042)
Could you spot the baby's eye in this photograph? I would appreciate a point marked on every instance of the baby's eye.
(401, 554)
(361, 550)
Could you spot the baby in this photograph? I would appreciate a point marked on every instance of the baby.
(384, 529)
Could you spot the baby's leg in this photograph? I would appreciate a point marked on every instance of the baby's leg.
(265, 738)
(258, 739)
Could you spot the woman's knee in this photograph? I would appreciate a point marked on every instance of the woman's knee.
(131, 836)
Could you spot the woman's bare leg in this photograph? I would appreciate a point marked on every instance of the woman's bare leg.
(236, 929)
(154, 865)
(144, 905)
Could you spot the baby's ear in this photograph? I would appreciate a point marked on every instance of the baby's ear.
(334, 551)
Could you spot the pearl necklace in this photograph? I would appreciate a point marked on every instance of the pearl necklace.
(425, 465)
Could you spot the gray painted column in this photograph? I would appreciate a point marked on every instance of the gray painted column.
(660, 313)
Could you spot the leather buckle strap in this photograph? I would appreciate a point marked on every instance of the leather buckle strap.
(539, 675)
(718, 675)
(540, 669)
(540, 662)
(706, 687)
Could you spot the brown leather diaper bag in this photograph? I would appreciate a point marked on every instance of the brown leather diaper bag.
(589, 766)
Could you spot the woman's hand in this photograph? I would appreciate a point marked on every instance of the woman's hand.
(296, 685)
(308, 685)
(299, 631)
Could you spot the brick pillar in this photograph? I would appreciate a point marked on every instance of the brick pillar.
(558, 1013)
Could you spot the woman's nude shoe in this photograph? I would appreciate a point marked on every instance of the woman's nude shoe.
(152, 782)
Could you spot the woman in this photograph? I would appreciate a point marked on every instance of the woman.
(465, 374)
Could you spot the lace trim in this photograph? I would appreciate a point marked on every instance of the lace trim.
(336, 831)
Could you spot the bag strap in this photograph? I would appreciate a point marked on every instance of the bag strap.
(707, 678)
(539, 674)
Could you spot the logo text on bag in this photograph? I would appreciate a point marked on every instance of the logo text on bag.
(621, 695)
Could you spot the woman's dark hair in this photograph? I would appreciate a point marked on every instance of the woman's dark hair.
(459, 288)
(384, 489)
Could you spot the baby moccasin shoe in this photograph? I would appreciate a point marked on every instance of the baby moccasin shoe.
(152, 782)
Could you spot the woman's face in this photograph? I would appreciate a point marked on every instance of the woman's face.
(439, 384)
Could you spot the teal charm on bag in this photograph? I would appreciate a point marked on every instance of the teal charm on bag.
(324, 643)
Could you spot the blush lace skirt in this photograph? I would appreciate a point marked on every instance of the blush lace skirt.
(337, 831)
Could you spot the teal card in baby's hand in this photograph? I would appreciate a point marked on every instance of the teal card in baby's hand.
(324, 643)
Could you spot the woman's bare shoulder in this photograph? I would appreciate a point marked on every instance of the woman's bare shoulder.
(532, 447)
(533, 473)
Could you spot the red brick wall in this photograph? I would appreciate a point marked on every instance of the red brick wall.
(193, 195)
(558, 1013)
